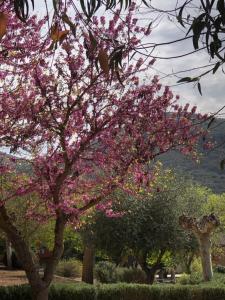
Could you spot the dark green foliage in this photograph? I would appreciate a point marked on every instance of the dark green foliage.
(220, 269)
(72, 292)
(105, 272)
(145, 292)
(117, 292)
(16, 264)
(57, 292)
(69, 268)
(130, 275)
(21, 292)
(193, 278)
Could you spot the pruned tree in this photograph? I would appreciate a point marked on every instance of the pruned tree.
(202, 229)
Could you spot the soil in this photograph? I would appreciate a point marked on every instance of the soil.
(18, 277)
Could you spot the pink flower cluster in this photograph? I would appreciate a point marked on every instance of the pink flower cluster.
(83, 131)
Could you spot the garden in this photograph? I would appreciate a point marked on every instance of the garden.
(87, 208)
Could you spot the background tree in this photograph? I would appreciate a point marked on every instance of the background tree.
(149, 227)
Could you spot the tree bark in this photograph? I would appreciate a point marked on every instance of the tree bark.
(202, 229)
(150, 275)
(205, 250)
(150, 271)
(88, 264)
(39, 286)
(8, 253)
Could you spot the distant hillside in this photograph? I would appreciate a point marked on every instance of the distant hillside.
(208, 171)
(21, 165)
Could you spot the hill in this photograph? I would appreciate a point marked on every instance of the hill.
(207, 172)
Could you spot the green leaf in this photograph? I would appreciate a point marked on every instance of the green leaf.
(221, 8)
(21, 8)
(194, 79)
(212, 49)
(179, 17)
(184, 79)
(197, 27)
(217, 65)
(145, 3)
(199, 88)
(83, 7)
(112, 3)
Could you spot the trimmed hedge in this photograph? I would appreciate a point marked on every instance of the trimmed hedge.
(117, 292)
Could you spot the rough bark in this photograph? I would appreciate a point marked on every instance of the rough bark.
(173, 275)
(205, 250)
(39, 285)
(150, 274)
(202, 229)
(150, 271)
(8, 253)
(88, 263)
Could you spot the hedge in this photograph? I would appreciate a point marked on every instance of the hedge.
(117, 292)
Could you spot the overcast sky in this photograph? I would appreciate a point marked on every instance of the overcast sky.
(213, 88)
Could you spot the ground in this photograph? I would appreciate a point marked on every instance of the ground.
(17, 277)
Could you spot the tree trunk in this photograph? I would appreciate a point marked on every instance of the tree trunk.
(188, 263)
(150, 271)
(39, 294)
(202, 229)
(88, 263)
(150, 275)
(205, 251)
(9, 254)
(39, 285)
(173, 275)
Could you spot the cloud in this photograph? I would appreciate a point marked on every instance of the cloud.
(213, 88)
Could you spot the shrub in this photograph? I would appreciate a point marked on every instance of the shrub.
(193, 278)
(196, 266)
(146, 292)
(117, 292)
(69, 268)
(72, 292)
(184, 279)
(105, 272)
(131, 275)
(220, 269)
(21, 292)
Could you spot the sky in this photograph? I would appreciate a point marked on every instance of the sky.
(213, 87)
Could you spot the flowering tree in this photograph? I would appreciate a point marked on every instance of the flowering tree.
(79, 113)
